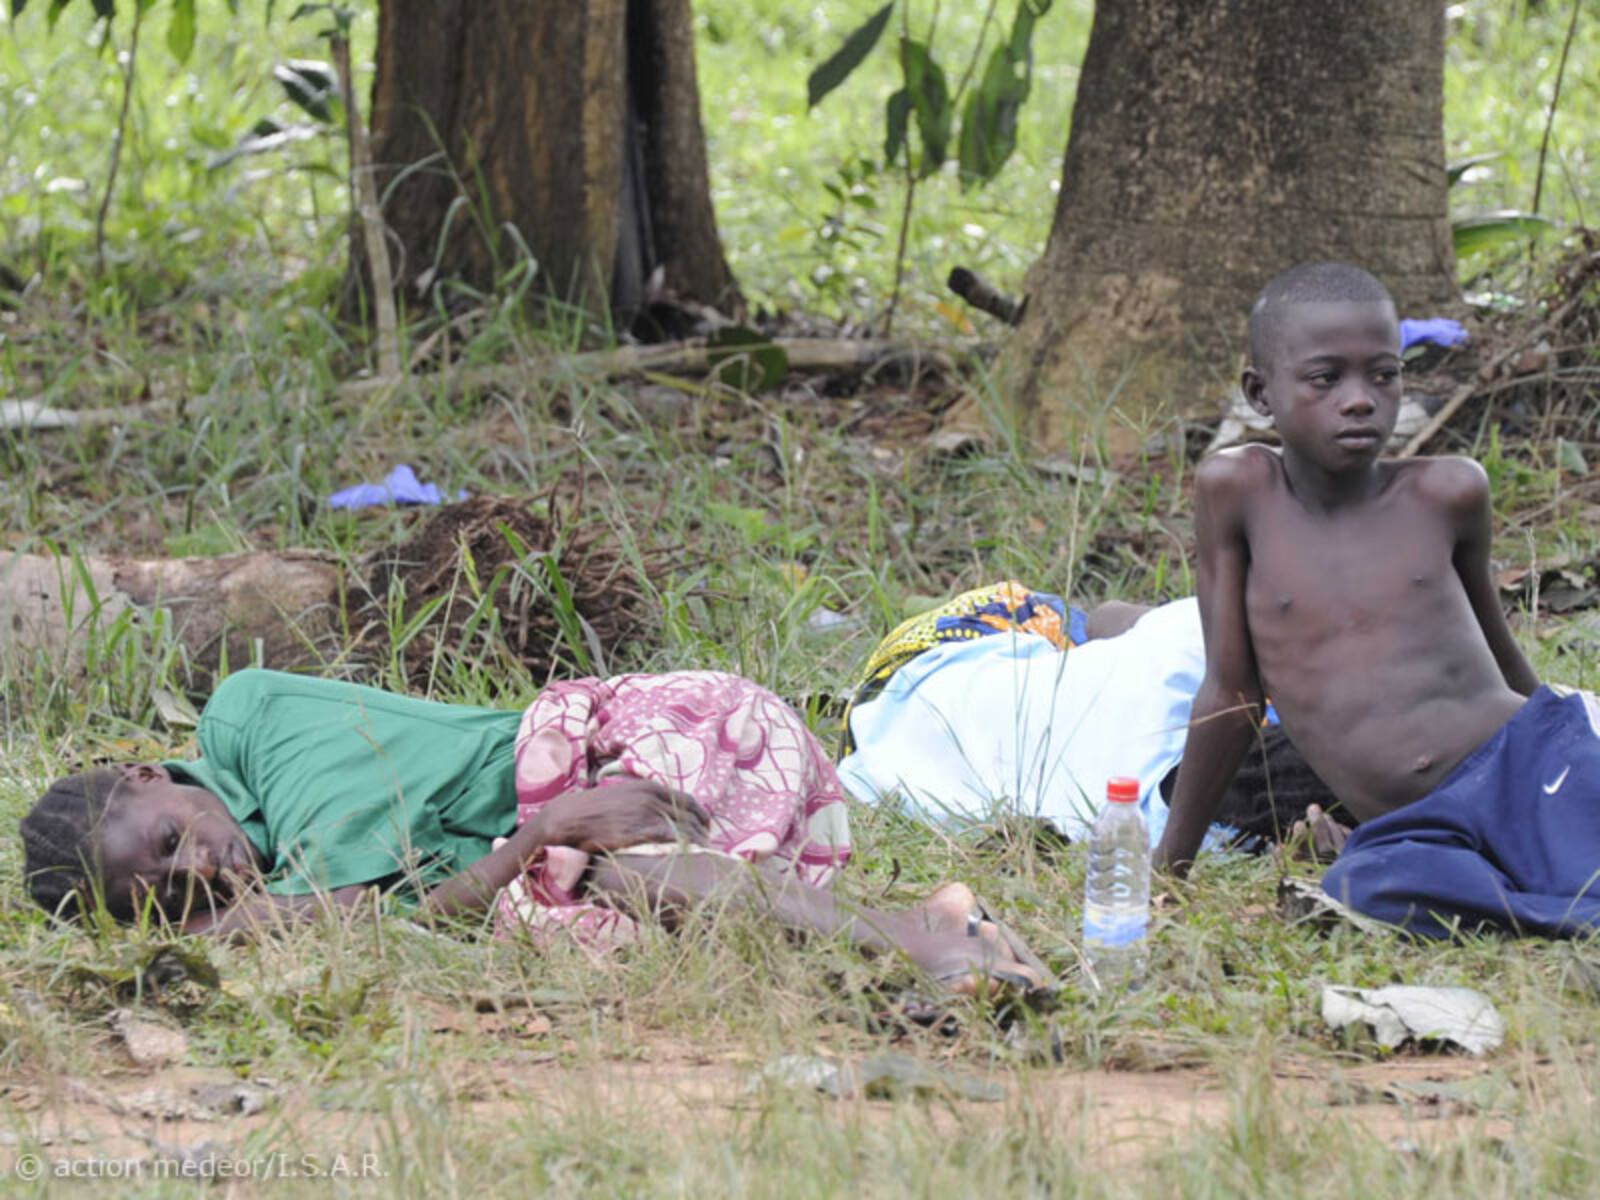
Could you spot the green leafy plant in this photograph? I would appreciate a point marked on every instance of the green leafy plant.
(851, 226)
(1487, 230)
(180, 41)
(180, 28)
(312, 87)
(985, 135)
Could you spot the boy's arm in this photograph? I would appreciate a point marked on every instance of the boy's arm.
(1228, 704)
(256, 913)
(623, 813)
(620, 814)
(1469, 497)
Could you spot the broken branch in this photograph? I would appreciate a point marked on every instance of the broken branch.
(1474, 387)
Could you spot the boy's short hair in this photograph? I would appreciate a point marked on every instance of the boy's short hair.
(58, 841)
(1310, 282)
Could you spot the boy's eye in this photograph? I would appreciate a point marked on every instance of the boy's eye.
(169, 842)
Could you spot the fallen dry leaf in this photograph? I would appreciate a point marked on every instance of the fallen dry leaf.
(147, 1043)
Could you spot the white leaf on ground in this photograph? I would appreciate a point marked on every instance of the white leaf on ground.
(806, 1071)
(36, 414)
(826, 620)
(1397, 1013)
(174, 709)
(1410, 421)
(1304, 900)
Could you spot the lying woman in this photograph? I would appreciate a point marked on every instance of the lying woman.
(1009, 701)
(311, 791)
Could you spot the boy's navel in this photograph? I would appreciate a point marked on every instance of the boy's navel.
(1424, 761)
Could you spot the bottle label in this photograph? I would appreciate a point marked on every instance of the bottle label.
(1116, 931)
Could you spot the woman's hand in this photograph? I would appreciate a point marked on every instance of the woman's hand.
(258, 913)
(627, 812)
(623, 813)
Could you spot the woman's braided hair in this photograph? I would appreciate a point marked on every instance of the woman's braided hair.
(58, 838)
(1271, 791)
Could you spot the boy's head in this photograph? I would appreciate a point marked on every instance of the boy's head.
(1325, 362)
(126, 831)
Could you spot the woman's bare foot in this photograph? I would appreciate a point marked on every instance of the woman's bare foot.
(1318, 837)
(952, 940)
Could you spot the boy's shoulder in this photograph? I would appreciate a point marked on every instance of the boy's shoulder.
(244, 684)
(1450, 482)
(233, 701)
(1238, 470)
(239, 697)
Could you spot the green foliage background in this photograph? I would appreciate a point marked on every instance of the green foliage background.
(275, 221)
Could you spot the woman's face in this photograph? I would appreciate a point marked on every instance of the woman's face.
(173, 840)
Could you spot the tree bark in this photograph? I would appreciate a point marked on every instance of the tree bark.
(572, 128)
(1212, 146)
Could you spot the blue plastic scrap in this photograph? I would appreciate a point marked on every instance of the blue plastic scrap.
(399, 486)
(1441, 331)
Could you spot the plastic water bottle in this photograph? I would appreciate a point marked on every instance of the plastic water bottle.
(1116, 903)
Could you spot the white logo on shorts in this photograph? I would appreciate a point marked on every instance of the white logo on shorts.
(1551, 788)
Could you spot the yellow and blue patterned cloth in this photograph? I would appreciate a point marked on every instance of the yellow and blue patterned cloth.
(1006, 607)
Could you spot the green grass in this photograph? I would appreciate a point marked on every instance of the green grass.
(630, 1077)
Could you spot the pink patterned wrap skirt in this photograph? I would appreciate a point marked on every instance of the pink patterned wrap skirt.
(744, 754)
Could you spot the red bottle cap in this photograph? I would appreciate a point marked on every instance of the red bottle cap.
(1122, 790)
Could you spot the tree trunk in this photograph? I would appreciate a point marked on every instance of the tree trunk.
(570, 127)
(1212, 146)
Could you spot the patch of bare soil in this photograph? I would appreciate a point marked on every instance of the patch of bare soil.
(1115, 1117)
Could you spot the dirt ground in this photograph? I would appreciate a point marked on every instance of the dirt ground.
(1117, 1117)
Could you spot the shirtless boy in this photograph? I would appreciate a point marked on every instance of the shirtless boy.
(1356, 592)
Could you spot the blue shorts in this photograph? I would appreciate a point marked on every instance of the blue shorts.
(1510, 839)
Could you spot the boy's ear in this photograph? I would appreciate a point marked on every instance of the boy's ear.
(147, 773)
(1254, 386)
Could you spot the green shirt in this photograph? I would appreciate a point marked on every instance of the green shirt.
(340, 784)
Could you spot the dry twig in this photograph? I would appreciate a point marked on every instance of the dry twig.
(371, 220)
(694, 357)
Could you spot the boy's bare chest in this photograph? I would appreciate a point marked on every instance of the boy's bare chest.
(1356, 570)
